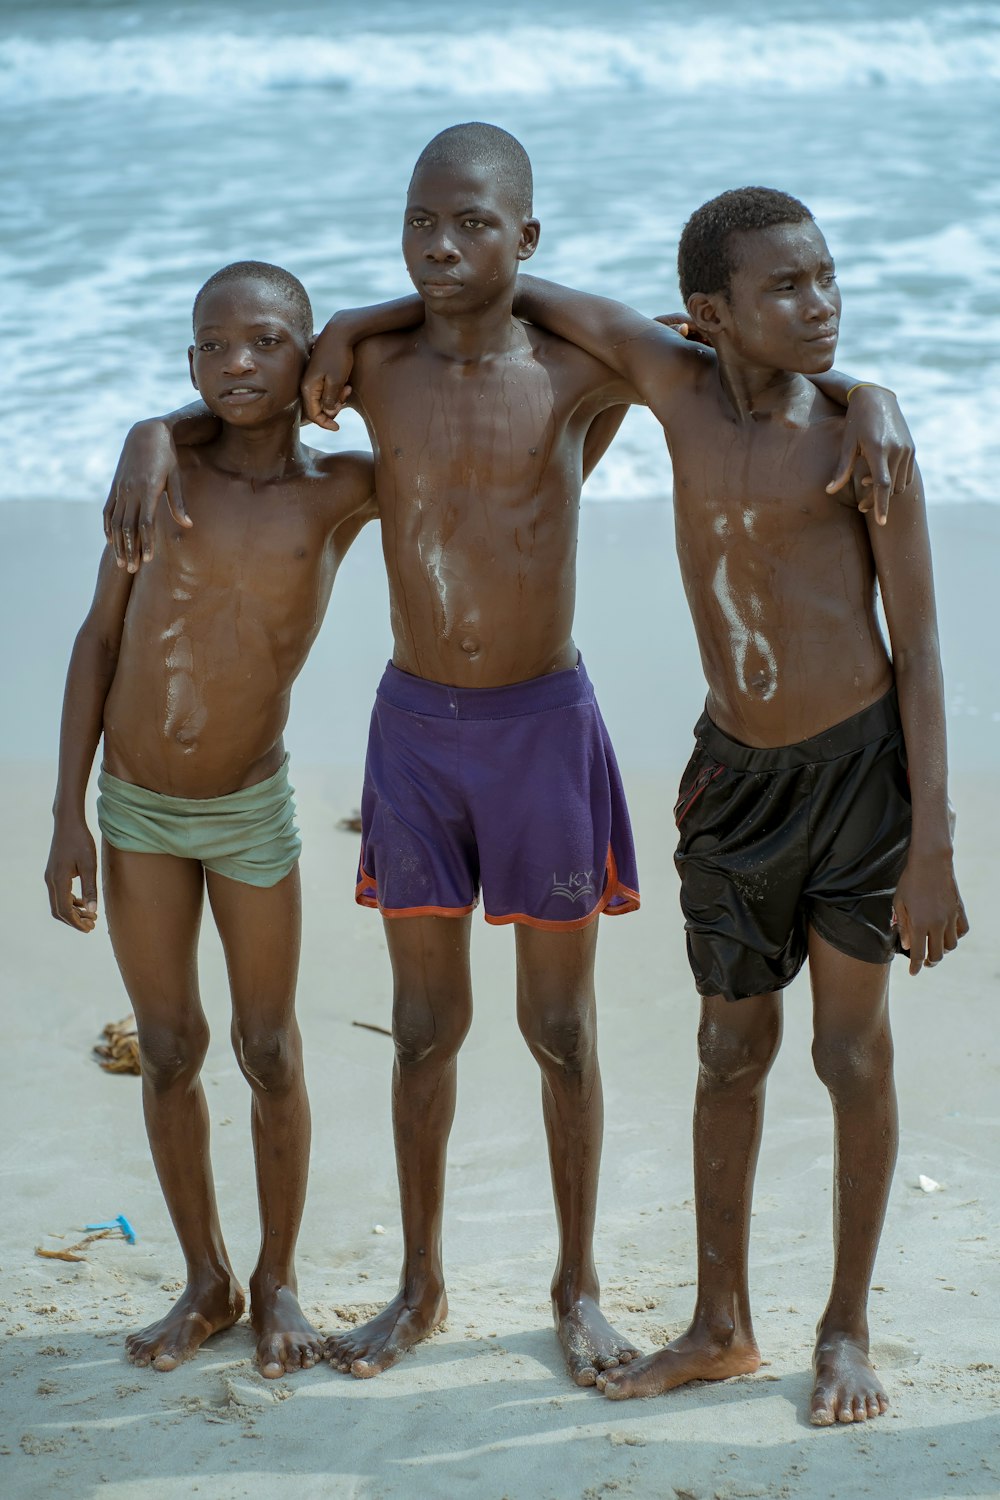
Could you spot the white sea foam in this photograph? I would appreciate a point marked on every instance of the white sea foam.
(927, 51)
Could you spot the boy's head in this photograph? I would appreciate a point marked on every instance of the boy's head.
(468, 217)
(253, 332)
(757, 278)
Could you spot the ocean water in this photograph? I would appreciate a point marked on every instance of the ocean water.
(147, 144)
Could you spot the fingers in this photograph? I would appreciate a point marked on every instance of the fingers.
(75, 911)
(845, 467)
(881, 490)
(311, 393)
(175, 504)
(962, 922)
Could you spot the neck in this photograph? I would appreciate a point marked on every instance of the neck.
(262, 453)
(468, 337)
(757, 390)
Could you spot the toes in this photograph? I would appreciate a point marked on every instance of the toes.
(821, 1414)
(165, 1362)
(607, 1362)
(587, 1376)
(272, 1369)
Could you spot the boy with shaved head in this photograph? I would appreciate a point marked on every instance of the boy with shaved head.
(489, 767)
(186, 669)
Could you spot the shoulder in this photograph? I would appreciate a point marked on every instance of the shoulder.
(347, 480)
(575, 373)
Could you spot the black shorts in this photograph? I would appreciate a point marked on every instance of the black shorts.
(773, 842)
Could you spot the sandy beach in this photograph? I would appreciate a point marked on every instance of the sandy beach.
(484, 1409)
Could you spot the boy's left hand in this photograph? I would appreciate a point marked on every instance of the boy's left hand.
(929, 911)
(876, 431)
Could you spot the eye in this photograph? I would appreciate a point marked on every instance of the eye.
(473, 224)
(209, 346)
(267, 340)
(419, 221)
(829, 279)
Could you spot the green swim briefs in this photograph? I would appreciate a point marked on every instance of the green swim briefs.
(249, 835)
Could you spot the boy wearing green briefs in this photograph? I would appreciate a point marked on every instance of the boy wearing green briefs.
(186, 671)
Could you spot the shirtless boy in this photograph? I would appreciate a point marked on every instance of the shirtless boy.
(798, 843)
(480, 428)
(186, 669)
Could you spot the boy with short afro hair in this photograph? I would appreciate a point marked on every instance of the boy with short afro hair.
(813, 817)
(186, 670)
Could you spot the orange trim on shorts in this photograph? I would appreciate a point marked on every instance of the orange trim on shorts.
(403, 911)
(611, 890)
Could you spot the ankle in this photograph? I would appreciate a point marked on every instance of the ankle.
(724, 1324)
(571, 1286)
(839, 1327)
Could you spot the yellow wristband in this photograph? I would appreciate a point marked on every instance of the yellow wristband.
(871, 385)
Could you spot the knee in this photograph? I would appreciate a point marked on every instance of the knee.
(727, 1056)
(851, 1061)
(268, 1058)
(424, 1033)
(562, 1036)
(170, 1057)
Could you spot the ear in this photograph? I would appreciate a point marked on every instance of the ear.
(528, 243)
(708, 313)
(191, 365)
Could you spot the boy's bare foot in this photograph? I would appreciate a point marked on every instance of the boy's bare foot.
(589, 1343)
(846, 1388)
(286, 1340)
(380, 1342)
(201, 1310)
(696, 1355)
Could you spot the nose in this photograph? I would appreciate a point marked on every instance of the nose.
(239, 359)
(821, 304)
(440, 249)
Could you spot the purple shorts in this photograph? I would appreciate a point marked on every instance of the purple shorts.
(515, 789)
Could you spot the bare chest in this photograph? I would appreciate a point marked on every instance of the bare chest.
(449, 434)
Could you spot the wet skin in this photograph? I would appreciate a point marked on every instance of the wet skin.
(780, 576)
(479, 426)
(187, 669)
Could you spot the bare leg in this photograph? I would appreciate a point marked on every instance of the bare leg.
(852, 1052)
(737, 1042)
(556, 1011)
(153, 905)
(260, 930)
(432, 1009)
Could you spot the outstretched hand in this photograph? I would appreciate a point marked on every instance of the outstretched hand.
(875, 431)
(73, 856)
(146, 470)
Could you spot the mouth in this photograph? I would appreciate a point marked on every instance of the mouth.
(239, 395)
(440, 286)
(829, 336)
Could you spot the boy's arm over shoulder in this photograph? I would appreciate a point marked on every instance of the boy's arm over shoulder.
(73, 854)
(875, 432)
(652, 358)
(928, 905)
(325, 388)
(147, 469)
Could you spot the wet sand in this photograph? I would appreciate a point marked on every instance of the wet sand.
(484, 1408)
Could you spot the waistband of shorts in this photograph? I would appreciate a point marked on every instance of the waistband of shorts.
(417, 695)
(875, 722)
(129, 794)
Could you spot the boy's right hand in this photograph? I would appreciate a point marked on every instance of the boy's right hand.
(146, 470)
(325, 386)
(73, 855)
